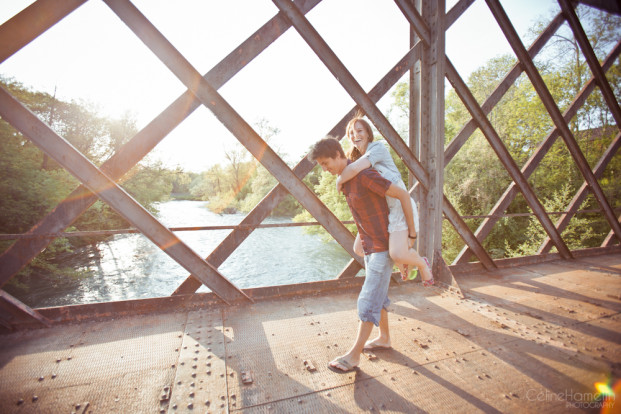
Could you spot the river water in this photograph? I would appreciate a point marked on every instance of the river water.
(130, 266)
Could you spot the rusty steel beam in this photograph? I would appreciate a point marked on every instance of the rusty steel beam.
(505, 157)
(278, 193)
(211, 99)
(535, 159)
(468, 129)
(79, 166)
(357, 93)
(28, 24)
(18, 309)
(447, 208)
(416, 20)
(609, 6)
(583, 191)
(587, 51)
(466, 234)
(20, 253)
(548, 101)
(340, 72)
(455, 13)
(610, 238)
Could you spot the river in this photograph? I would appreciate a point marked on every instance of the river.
(129, 266)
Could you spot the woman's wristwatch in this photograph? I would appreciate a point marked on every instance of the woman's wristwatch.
(412, 237)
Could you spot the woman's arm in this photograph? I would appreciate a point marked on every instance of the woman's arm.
(351, 171)
(406, 204)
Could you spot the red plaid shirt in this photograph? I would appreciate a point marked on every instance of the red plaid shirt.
(365, 195)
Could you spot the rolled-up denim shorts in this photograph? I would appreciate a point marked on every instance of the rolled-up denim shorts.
(374, 293)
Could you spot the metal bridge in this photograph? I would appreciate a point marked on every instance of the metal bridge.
(425, 156)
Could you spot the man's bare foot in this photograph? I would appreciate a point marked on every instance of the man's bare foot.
(343, 364)
(378, 343)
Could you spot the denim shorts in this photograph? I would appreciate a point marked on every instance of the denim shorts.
(374, 293)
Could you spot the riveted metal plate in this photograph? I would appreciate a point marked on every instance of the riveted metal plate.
(507, 346)
(114, 365)
(199, 384)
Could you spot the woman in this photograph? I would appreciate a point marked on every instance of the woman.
(364, 154)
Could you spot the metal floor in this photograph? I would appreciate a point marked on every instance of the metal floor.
(529, 339)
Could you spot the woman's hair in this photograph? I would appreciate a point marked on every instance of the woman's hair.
(327, 147)
(353, 154)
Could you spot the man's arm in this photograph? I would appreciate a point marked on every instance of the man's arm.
(406, 203)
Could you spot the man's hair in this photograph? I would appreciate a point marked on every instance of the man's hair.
(327, 147)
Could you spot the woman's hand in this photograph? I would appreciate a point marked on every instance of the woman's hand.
(411, 240)
(339, 184)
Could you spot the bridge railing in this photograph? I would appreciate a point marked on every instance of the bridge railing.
(423, 153)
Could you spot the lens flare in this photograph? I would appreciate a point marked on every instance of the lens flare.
(607, 394)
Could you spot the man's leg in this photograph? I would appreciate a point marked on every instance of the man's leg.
(372, 303)
(352, 357)
(383, 339)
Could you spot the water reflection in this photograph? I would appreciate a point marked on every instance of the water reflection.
(130, 266)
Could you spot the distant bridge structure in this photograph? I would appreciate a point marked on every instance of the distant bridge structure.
(423, 152)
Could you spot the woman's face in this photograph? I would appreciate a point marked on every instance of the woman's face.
(359, 137)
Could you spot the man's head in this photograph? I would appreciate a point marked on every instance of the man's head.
(329, 155)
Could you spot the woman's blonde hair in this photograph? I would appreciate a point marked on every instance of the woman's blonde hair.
(353, 154)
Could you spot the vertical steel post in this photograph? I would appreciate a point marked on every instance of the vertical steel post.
(435, 168)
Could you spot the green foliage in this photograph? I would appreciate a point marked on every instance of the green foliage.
(31, 183)
(241, 182)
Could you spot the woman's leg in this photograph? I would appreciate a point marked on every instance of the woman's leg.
(400, 253)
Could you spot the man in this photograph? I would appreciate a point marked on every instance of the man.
(366, 197)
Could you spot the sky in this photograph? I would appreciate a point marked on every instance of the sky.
(92, 56)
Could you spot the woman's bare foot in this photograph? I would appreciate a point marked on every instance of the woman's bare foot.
(427, 276)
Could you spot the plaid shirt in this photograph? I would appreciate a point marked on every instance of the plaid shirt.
(365, 195)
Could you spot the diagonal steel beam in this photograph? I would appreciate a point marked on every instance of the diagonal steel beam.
(78, 165)
(535, 159)
(20, 253)
(610, 238)
(327, 56)
(555, 113)
(263, 209)
(582, 192)
(505, 157)
(455, 13)
(340, 72)
(213, 101)
(19, 309)
(587, 51)
(468, 129)
(416, 20)
(28, 24)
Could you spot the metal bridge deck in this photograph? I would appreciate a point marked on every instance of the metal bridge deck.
(529, 339)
